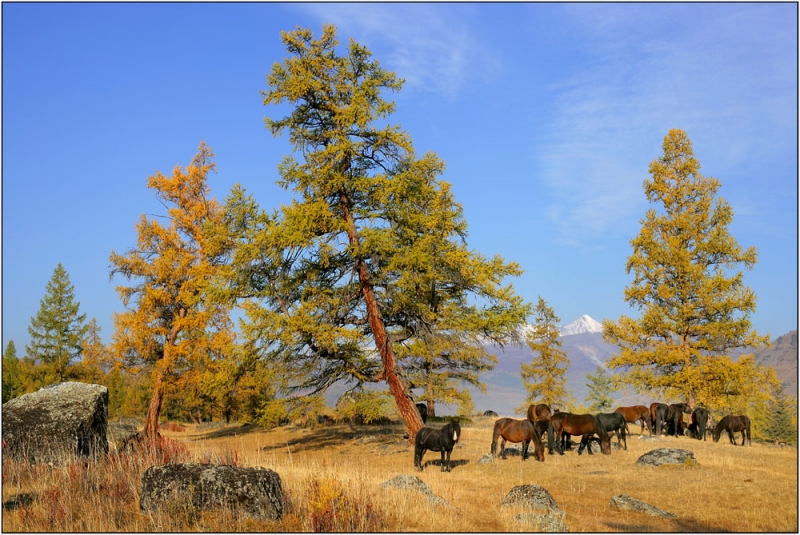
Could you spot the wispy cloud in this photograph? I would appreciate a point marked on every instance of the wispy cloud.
(715, 77)
(429, 45)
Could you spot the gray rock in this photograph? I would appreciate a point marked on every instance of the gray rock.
(57, 424)
(121, 436)
(486, 459)
(532, 496)
(546, 523)
(649, 438)
(631, 504)
(406, 482)
(255, 491)
(667, 456)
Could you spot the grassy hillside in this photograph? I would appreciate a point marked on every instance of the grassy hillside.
(341, 468)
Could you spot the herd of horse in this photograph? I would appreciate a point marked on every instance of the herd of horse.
(559, 427)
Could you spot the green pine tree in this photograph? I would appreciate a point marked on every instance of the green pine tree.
(780, 426)
(58, 330)
(600, 390)
(13, 385)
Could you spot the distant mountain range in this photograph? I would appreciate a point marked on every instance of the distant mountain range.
(582, 340)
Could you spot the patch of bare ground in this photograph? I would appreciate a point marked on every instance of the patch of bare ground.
(333, 474)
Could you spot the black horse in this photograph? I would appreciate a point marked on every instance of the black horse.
(681, 409)
(423, 411)
(613, 421)
(443, 440)
(700, 418)
(666, 415)
(734, 424)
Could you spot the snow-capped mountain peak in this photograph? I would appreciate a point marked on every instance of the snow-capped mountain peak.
(584, 324)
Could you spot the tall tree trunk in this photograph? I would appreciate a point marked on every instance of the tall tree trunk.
(154, 411)
(397, 385)
(431, 403)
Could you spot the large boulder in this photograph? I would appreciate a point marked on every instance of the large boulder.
(663, 456)
(254, 491)
(122, 436)
(57, 424)
(533, 497)
(413, 483)
(546, 523)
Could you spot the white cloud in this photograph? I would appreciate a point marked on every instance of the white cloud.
(722, 82)
(430, 46)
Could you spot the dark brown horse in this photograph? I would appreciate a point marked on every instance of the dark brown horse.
(512, 430)
(542, 413)
(638, 413)
(734, 424)
(585, 425)
(539, 412)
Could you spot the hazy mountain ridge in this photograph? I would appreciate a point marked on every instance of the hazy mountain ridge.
(504, 389)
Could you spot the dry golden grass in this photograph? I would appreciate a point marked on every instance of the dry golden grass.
(731, 488)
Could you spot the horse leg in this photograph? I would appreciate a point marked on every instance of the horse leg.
(503, 448)
(445, 467)
(525, 449)
(418, 453)
(624, 433)
(494, 446)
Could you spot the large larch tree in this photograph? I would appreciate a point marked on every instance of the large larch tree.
(695, 307)
(341, 266)
(169, 328)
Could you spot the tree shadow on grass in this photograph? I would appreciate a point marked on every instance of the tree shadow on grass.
(241, 429)
(323, 437)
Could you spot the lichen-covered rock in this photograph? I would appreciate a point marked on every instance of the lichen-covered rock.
(57, 424)
(532, 496)
(486, 459)
(255, 491)
(627, 503)
(121, 436)
(407, 482)
(543, 523)
(667, 456)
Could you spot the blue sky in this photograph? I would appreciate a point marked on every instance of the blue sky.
(546, 114)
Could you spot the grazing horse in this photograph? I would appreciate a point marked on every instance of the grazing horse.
(681, 409)
(585, 425)
(423, 411)
(517, 431)
(700, 419)
(637, 412)
(443, 440)
(734, 424)
(543, 427)
(539, 412)
(613, 421)
(665, 414)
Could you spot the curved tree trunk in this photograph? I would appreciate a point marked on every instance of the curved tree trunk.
(154, 411)
(397, 385)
